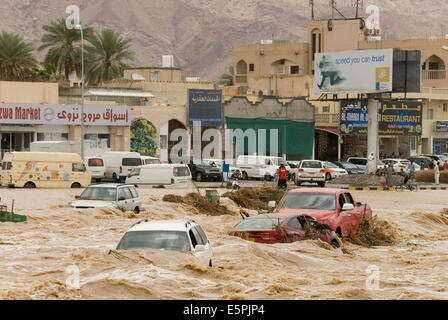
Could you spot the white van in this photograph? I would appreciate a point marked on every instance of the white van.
(160, 174)
(120, 164)
(150, 160)
(259, 167)
(96, 167)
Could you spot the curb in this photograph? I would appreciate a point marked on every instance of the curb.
(391, 188)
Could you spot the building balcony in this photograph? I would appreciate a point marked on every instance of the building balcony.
(241, 79)
(327, 119)
(434, 74)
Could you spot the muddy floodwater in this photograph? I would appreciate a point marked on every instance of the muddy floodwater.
(59, 248)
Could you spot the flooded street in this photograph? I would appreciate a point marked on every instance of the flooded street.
(40, 257)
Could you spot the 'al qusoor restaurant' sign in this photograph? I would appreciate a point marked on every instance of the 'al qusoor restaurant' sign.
(37, 114)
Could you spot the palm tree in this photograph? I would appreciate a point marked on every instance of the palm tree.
(227, 78)
(64, 47)
(16, 57)
(106, 56)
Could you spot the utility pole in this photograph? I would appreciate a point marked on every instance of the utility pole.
(312, 9)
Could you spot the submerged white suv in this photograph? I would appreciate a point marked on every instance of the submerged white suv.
(170, 235)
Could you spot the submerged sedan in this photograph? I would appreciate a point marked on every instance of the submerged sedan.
(284, 228)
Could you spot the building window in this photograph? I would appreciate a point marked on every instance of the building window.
(326, 109)
(251, 67)
(445, 107)
(50, 136)
(430, 114)
(433, 66)
(98, 141)
(154, 76)
(294, 69)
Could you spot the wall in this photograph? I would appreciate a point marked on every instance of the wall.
(29, 92)
(164, 74)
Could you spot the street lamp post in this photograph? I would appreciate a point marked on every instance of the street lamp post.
(79, 27)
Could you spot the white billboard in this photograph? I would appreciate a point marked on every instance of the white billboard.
(365, 71)
(39, 114)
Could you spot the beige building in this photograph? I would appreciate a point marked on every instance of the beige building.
(17, 133)
(153, 74)
(286, 70)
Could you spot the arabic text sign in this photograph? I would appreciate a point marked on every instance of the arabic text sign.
(353, 117)
(36, 114)
(362, 71)
(205, 106)
(401, 118)
(442, 126)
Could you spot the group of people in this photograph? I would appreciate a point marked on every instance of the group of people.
(282, 176)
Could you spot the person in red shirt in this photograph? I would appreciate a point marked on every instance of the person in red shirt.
(445, 165)
(282, 177)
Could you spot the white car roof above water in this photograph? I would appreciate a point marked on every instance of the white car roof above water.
(110, 185)
(166, 225)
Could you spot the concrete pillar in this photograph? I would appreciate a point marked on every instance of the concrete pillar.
(372, 136)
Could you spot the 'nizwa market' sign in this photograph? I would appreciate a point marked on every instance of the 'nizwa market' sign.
(397, 118)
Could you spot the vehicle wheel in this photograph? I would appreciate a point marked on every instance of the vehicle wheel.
(335, 244)
(199, 177)
(298, 183)
(29, 185)
(114, 178)
(293, 177)
(327, 176)
(245, 176)
(97, 180)
(75, 185)
(268, 178)
(321, 184)
(339, 232)
(210, 264)
(136, 210)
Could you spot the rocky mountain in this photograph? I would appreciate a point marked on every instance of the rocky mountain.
(201, 33)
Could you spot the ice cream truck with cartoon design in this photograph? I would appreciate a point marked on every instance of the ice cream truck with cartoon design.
(44, 170)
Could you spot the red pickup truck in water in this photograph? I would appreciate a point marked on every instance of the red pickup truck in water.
(335, 207)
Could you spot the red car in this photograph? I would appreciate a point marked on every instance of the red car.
(284, 228)
(335, 207)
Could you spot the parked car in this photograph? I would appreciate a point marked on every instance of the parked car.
(401, 164)
(150, 160)
(312, 171)
(362, 163)
(203, 171)
(109, 195)
(332, 171)
(176, 175)
(218, 163)
(119, 164)
(169, 235)
(44, 170)
(294, 168)
(422, 161)
(438, 158)
(336, 207)
(259, 167)
(96, 167)
(284, 228)
(349, 167)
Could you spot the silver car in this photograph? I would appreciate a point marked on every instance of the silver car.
(117, 196)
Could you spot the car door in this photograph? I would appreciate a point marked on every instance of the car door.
(208, 247)
(356, 214)
(294, 230)
(345, 217)
(125, 199)
(136, 202)
(195, 241)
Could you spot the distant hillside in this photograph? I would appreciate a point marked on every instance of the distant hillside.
(201, 33)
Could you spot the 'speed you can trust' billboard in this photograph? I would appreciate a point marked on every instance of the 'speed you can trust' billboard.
(205, 106)
(365, 71)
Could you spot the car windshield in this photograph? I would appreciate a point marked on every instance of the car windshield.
(181, 171)
(102, 194)
(152, 161)
(311, 164)
(159, 240)
(259, 224)
(319, 201)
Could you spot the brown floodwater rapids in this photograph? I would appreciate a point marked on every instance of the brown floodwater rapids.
(40, 259)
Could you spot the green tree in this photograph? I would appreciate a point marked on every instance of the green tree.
(107, 56)
(227, 78)
(64, 47)
(16, 57)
